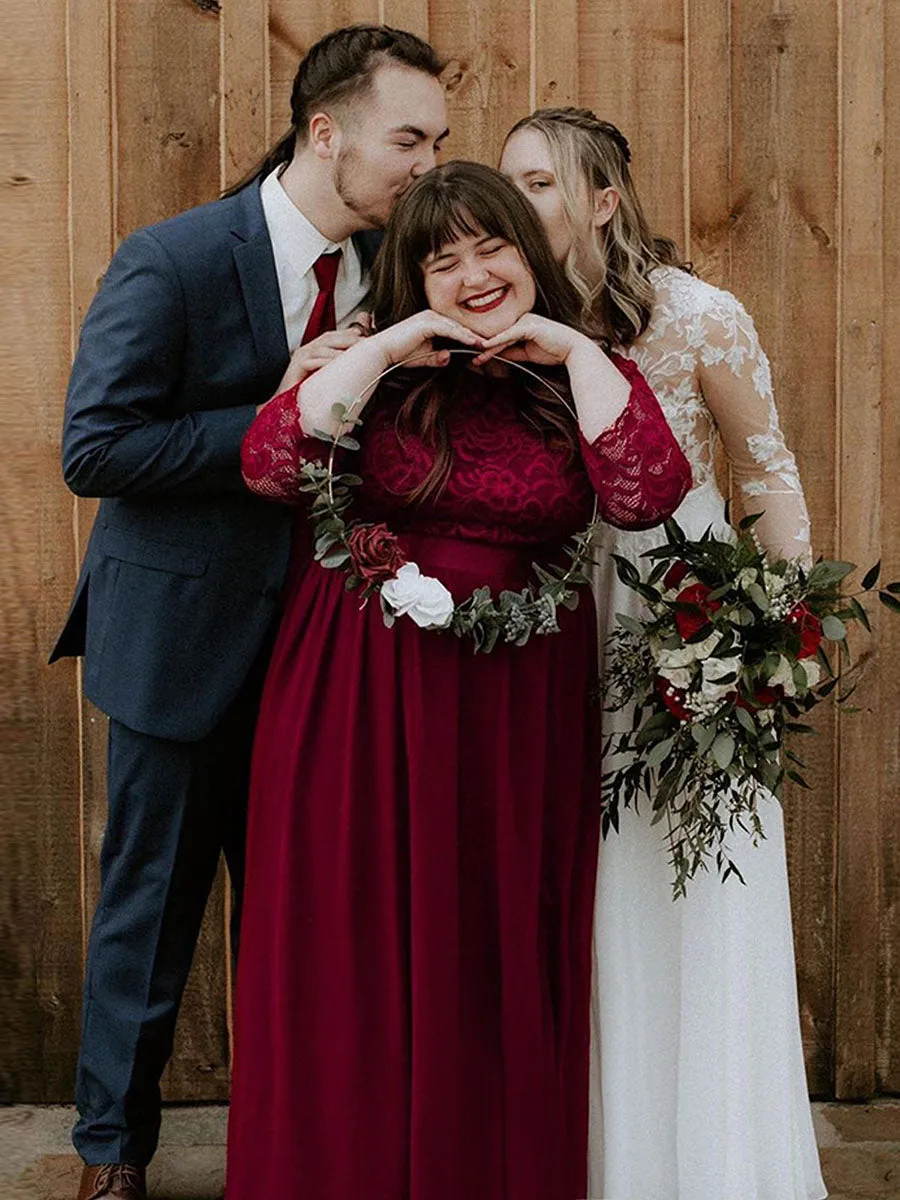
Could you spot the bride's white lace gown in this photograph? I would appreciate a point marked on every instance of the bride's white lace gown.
(698, 1089)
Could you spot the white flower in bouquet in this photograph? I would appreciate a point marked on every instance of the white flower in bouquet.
(813, 671)
(679, 677)
(421, 597)
(783, 676)
(715, 670)
(668, 660)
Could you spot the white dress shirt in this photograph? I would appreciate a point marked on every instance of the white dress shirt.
(297, 244)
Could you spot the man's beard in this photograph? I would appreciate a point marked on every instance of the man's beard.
(343, 172)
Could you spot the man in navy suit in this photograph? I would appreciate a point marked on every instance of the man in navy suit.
(199, 321)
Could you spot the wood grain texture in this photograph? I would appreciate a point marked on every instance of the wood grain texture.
(244, 132)
(488, 77)
(887, 1000)
(555, 74)
(861, 321)
(784, 268)
(40, 927)
(707, 185)
(632, 73)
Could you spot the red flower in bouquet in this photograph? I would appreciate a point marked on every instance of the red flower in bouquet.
(673, 698)
(805, 623)
(375, 553)
(675, 574)
(691, 620)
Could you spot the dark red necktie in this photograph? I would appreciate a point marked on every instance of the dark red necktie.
(322, 319)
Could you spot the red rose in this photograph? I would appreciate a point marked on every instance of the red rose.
(698, 610)
(375, 553)
(675, 574)
(805, 623)
(673, 698)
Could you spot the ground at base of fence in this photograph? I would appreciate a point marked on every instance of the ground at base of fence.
(859, 1143)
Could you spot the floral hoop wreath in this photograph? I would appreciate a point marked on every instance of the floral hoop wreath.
(371, 556)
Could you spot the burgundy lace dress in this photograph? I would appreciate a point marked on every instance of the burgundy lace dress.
(412, 1003)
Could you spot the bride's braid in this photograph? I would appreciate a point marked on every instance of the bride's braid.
(609, 267)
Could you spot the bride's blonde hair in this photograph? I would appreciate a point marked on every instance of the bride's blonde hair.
(609, 266)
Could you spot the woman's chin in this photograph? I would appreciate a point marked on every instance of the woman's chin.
(489, 324)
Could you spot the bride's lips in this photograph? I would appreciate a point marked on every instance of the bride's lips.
(499, 294)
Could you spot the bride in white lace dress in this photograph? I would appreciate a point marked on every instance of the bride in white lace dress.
(698, 1088)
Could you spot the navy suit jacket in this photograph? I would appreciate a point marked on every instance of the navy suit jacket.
(183, 569)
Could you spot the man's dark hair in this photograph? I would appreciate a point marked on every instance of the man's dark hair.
(338, 68)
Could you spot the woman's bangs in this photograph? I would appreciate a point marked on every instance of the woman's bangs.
(445, 216)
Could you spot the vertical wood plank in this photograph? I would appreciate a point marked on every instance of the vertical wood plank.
(784, 156)
(555, 79)
(859, 495)
(39, 887)
(489, 74)
(708, 153)
(245, 87)
(888, 994)
(168, 122)
(632, 73)
(91, 240)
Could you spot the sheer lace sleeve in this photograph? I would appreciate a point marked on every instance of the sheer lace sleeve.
(737, 387)
(274, 446)
(636, 466)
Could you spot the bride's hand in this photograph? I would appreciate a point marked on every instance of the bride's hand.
(533, 339)
(414, 339)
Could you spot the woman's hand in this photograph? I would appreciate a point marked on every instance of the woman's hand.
(414, 339)
(534, 339)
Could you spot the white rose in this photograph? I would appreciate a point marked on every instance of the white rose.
(783, 676)
(813, 671)
(702, 650)
(674, 659)
(714, 670)
(679, 677)
(419, 596)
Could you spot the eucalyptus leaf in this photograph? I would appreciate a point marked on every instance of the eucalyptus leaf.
(834, 629)
(656, 755)
(723, 749)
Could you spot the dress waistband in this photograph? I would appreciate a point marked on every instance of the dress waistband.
(474, 558)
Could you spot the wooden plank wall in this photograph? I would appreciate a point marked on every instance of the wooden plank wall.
(766, 138)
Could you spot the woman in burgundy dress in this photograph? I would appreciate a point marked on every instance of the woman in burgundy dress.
(413, 989)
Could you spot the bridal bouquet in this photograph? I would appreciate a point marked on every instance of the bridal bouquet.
(730, 655)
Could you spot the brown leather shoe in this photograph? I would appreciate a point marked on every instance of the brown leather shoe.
(119, 1181)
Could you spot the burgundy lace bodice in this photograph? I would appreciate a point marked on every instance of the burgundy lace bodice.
(506, 484)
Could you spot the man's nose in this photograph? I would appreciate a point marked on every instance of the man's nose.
(424, 162)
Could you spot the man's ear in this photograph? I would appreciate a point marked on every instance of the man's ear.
(606, 201)
(324, 135)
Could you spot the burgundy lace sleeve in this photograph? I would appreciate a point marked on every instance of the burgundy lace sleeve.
(273, 447)
(636, 466)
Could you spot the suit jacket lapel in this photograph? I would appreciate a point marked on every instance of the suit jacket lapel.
(255, 265)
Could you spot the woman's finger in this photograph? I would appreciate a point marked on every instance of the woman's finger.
(438, 358)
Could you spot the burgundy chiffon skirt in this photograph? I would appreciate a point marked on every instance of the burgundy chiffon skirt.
(412, 1016)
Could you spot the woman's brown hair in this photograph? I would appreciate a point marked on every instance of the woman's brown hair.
(452, 201)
